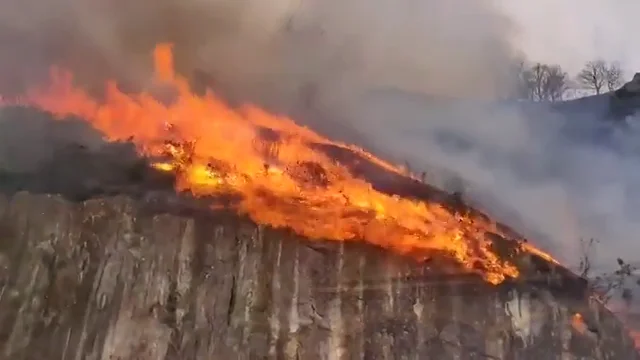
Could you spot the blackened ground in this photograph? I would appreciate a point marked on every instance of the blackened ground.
(79, 173)
(39, 154)
(42, 155)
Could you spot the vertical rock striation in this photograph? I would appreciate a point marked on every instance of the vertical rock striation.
(109, 278)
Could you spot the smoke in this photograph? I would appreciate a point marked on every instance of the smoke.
(267, 50)
(554, 177)
(387, 74)
(595, 29)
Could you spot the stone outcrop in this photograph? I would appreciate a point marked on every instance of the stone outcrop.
(114, 278)
(625, 101)
(632, 87)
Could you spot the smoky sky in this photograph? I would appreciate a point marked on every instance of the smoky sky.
(575, 31)
(411, 80)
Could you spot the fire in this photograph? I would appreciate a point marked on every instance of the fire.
(273, 166)
(577, 322)
(635, 335)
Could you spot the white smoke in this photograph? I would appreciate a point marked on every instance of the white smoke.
(571, 32)
(384, 72)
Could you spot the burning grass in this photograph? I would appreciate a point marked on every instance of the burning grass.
(276, 170)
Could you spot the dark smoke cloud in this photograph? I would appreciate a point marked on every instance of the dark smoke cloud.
(268, 50)
(382, 72)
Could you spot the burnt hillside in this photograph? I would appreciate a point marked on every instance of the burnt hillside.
(614, 105)
(112, 278)
(120, 267)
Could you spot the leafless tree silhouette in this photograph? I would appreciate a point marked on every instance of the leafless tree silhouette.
(598, 74)
(542, 82)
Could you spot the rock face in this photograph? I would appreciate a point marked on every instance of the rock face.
(112, 279)
(625, 101)
(633, 86)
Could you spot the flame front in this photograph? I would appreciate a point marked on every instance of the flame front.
(280, 180)
(635, 335)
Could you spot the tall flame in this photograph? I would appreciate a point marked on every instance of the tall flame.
(281, 180)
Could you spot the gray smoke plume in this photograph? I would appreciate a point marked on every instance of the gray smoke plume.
(387, 74)
(269, 50)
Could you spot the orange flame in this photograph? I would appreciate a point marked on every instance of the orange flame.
(577, 322)
(284, 182)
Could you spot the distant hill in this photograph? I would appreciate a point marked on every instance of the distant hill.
(614, 105)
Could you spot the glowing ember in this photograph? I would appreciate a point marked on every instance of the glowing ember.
(577, 322)
(281, 179)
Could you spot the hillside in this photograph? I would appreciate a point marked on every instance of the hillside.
(119, 266)
(613, 105)
(186, 170)
(114, 278)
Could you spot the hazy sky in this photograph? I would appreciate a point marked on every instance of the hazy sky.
(569, 31)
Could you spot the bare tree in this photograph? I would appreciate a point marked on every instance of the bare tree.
(542, 82)
(606, 285)
(538, 74)
(593, 75)
(555, 83)
(613, 76)
(524, 80)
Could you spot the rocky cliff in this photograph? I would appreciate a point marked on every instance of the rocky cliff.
(626, 100)
(114, 278)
